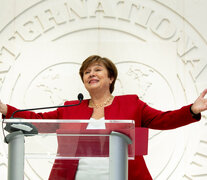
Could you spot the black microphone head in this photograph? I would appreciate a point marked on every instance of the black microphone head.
(80, 97)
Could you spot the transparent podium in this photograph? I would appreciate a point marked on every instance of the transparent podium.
(74, 140)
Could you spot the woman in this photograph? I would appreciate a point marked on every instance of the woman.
(99, 75)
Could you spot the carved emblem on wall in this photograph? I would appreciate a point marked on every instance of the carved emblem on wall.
(159, 54)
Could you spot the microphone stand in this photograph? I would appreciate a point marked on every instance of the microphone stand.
(15, 141)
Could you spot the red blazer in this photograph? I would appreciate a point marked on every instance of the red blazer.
(123, 107)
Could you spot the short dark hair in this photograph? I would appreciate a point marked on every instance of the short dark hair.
(110, 66)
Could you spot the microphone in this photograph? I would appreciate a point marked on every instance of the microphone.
(28, 128)
(80, 98)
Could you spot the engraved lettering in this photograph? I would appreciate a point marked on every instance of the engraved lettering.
(200, 66)
(6, 59)
(125, 9)
(202, 150)
(1, 80)
(46, 20)
(58, 14)
(10, 47)
(76, 9)
(184, 44)
(163, 28)
(28, 31)
(106, 8)
(191, 61)
(8, 53)
(199, 161)
(186, 176)
(143, 16)
(198, 172)
(182, 83)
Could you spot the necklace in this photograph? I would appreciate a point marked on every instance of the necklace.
(108, 100)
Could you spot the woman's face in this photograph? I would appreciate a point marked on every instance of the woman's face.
(95, 77)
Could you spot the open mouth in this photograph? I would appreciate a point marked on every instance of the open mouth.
(92, 81)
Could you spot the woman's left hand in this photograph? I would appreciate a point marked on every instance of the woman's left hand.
(200, 104)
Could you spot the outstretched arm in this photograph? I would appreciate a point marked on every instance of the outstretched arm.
(200, 103)
(3, 108)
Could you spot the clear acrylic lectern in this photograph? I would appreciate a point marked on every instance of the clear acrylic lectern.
(74, 141)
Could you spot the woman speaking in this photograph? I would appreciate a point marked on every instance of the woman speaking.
(99, 75)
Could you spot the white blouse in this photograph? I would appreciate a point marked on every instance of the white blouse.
(93, 168)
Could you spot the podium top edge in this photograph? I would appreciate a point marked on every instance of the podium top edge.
(61, 121)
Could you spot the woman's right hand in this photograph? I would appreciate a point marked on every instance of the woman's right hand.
(3, 108)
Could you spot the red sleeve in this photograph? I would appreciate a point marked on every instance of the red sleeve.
(156, 119)
(43, 127)
(30, 114)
